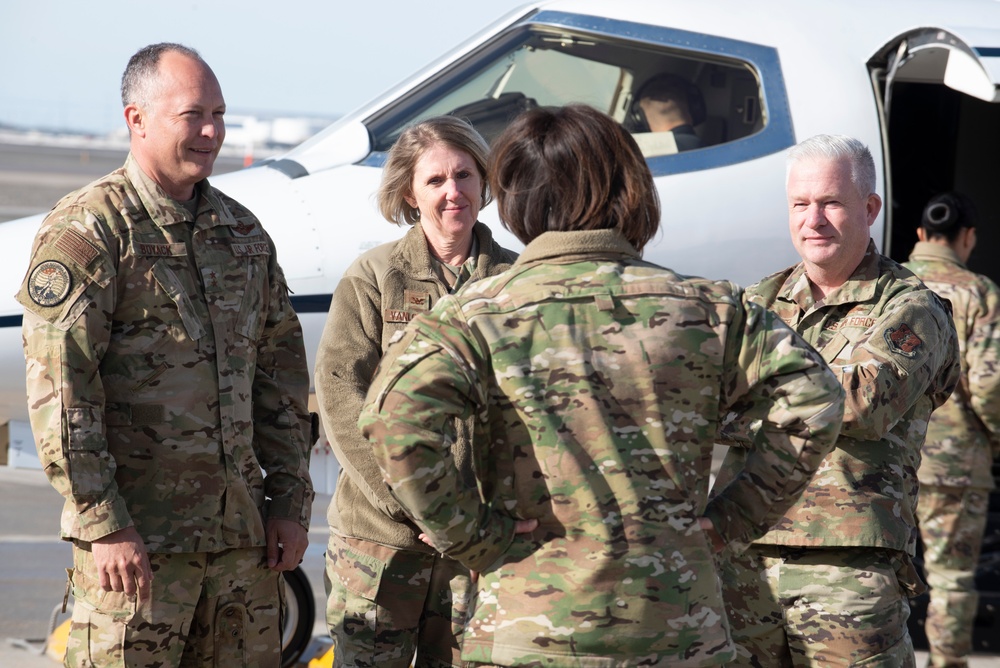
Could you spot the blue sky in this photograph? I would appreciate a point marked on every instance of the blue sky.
(61, 60)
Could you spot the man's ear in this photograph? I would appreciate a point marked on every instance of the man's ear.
(135, 118)
(872, 206)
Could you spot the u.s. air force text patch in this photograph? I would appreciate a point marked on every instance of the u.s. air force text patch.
(49, 283)
(903, 340)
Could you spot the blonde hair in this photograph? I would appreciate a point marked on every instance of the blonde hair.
(397, 175)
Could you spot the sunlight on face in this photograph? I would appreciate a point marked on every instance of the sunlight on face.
(828, 218)
(447, 190)
(183, 127)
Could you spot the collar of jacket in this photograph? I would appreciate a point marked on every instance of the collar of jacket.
(412, 254)
(563, 245)
(860, 287)
(925, 250)
(164, 210)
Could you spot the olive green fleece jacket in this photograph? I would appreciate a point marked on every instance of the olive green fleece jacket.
(378, 295)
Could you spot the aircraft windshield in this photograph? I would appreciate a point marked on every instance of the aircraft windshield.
(671, 100)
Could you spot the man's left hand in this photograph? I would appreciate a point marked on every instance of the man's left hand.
(286, 544)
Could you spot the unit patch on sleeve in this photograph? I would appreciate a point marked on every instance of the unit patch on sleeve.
(49, 283)
(903, 340)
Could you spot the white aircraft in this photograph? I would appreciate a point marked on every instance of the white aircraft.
(916, 80)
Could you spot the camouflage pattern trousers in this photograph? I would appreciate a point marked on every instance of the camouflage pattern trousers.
(794, 606)
(385, 605)
(206, 610)
(952, 522)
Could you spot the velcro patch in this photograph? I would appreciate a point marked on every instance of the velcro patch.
(245, 229)
(76, 247)
(860, 321)
(393, 315)
(146, 249)
(903, 340)
(416, 301)
(49, 283)
(252, 248)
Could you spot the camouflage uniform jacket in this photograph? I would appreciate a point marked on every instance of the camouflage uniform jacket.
(596, 382)
(892, 343)
(962, 435)
(378, 295)
(165, 368)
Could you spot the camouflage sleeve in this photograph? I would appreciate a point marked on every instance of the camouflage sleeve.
(348, 355)
(282, 425)
(69, 297)
(982, 356)
(429, 378)
(776, 381)
(910, 351)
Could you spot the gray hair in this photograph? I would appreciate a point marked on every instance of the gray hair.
(838, 147)
(141, 73)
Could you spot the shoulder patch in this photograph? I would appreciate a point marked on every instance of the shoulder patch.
(49, 283)
(903, 340)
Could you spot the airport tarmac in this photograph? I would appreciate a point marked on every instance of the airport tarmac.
(34, 177)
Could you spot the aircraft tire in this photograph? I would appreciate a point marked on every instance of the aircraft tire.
(299, 616)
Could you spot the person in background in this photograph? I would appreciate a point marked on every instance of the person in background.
(390, 596)
(962, 438)
(669, 103)
(167, 388)
(828, 584)
(595, 383)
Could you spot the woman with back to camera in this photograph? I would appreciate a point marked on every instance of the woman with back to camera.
(597, 381)
(391, 597)
(956, 468)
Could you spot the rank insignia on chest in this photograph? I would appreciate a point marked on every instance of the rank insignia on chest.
(417, 301)
(903, 340)
(49, 283)
(243, 228)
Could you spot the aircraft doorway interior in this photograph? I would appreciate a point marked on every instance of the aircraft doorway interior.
(941, 139)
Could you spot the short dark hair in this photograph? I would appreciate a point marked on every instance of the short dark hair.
(143, 68)
(572, 168)
(397, 174)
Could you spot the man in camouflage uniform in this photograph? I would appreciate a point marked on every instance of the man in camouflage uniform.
(828, 584)
(596, 382)
(165, 369)
(956, 473)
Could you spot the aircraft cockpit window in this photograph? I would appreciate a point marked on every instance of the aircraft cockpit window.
(674, 99)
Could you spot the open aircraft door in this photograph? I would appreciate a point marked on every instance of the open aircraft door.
(938, 91)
